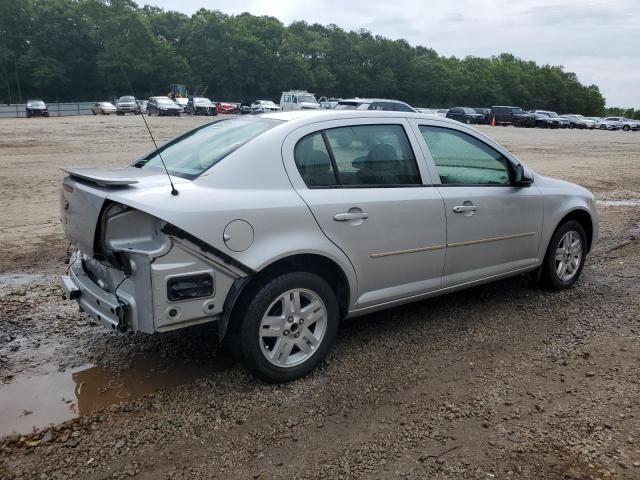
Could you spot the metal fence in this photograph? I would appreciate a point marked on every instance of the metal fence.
(18, 110)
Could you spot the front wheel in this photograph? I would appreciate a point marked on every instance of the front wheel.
(626, 128)
(288, 327)
(565, 256)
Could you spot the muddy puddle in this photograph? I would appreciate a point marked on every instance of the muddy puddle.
(55, 397)
(634, 202)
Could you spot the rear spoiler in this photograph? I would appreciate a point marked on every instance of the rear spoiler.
(103, 177)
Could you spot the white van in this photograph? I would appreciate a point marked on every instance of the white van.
(298, 100)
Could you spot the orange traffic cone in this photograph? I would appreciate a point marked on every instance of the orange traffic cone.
(493, 122)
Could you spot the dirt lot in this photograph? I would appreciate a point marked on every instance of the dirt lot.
(501, 381)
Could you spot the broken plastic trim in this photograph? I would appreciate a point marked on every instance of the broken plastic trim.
(174, 231)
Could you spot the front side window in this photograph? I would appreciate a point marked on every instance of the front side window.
(363, 155)
(191, 154)
(464, 160)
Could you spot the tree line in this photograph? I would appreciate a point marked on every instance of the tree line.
(73, 50)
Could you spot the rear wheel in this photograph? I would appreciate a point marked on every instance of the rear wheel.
(626, 128)
(288, 327)
(565, 256)
(602, 127)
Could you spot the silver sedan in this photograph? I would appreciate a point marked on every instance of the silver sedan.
(278, 226)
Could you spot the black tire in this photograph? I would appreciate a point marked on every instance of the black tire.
(247, 319)
(602, 127)
(550, 277)
(626, 128)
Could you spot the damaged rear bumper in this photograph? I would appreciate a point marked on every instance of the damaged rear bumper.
(102, 306)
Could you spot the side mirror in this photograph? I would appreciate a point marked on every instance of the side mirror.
(523, 178)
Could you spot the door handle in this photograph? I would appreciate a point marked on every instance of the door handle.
(465, 208)
(347, 216)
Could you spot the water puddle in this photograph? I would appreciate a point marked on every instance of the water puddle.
(55, 397)
(634, 202)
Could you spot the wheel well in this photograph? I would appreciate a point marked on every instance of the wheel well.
(321, 266)
(584, 219)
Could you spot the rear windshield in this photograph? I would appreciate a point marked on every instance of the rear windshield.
(191, 154)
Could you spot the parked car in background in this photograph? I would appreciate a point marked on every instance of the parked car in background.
(578, 121)
(442, 112)
(142, 105)
(36, 108)
(226, 108)
(298, 100)
(465, 115)
(547, 119)
(163, 106)
(264, 106)
(333, 228)
(486, 112)
(127, 104)
(103, 108)
(244, 108)
(200, 106)
(181, 102)
(604, 124)
(328, 103)
(623, 123)
(373, 104)
(509, 115)
(427, 111)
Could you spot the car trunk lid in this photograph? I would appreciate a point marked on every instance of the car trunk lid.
(85, 191)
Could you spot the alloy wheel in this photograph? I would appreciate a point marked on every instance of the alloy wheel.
(293, 327)
(568, 255)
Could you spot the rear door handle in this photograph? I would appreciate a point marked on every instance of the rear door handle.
(465, 208)
(347, 216)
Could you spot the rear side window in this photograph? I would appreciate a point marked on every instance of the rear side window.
(366, 155)
(314, 163)
(464, 160)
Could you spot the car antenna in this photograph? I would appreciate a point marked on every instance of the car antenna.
(174, 192)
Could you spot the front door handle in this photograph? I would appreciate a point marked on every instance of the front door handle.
(465, 208)
(347, 216)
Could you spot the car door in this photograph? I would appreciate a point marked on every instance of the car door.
(367, 186)
(493, 226)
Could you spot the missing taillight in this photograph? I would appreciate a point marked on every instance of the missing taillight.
(189, 287)
(67, 188)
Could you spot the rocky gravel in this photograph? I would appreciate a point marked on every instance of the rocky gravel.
(500, 381)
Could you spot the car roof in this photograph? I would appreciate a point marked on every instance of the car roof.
(302, 116)
(366, 100)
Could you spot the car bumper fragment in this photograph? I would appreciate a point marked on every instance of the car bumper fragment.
(104, 307)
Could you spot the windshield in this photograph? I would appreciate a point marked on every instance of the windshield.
(196, 151)
(552, 114)
(36, 103)
(165, 101)
(469, 110)
(106, 104)
(307, 99)
(127, 99)
(517, 110)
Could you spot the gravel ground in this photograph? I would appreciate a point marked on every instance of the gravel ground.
(500, 381)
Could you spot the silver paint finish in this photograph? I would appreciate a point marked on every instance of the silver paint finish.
(394, 245)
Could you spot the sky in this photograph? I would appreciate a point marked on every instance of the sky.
(597, 40)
